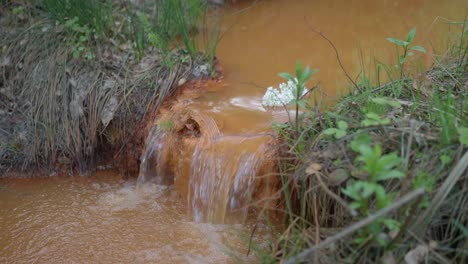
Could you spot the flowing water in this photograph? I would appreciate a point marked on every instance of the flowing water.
(104, 219)
(219, 141)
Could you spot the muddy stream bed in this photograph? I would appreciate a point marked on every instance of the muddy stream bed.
(105, 219)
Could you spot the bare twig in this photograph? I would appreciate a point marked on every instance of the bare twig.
(336, 53)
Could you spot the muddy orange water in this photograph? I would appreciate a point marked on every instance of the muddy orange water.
(104, 219)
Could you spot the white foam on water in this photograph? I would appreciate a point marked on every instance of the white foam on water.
(130, 197)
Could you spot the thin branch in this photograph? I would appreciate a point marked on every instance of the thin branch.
(336, 53)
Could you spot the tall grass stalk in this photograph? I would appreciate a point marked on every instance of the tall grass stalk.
(176, 19)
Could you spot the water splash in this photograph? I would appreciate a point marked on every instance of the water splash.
(154, 160)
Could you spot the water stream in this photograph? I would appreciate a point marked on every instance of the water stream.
(210, 170)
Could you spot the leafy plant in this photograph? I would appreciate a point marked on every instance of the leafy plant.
(145, 33)
(82, 35)
(407, 49)
(373, 119)
(386, 101)
(339, 131)
(302, 77)
(19, 12)
(379, 168)
(94, 14)
(445, 159)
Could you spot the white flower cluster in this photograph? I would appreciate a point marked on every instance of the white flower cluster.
(282, 96)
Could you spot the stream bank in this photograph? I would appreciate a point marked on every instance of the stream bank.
(74, 90)
(381, 176)
(88, 212)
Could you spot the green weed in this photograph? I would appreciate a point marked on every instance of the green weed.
(300, 80)
(95, 14)
(81, 38)
(407, 49)
(338, 132)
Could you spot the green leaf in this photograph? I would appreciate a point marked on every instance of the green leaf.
(373, 116)
(402, 60)
(410, 36)
(369, 122)
(83, 38)
(385, 121)
(410, 54)
(354, 205)
(340, 133)
(286, 76)
(352, 192)
(386, 101)
(301, 103)
(330, 131)
(342, 125)
(392, 225)
(418, 48)
(387, 175)
(378, 150)
(383, 200)
(398, 42)
(366, 152)
(463, 135)
(299, 70)
(306, 74)
(360, 139)
(367, 189)
(445, 159)
(390, 160)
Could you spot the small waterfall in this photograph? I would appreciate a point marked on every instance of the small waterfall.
(222, 176)
(154, 165)
(216, 173)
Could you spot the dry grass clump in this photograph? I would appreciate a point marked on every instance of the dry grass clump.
(63, 108)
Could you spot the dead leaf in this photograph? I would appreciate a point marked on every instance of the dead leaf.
(359, 174)
(338, 177)
(417, 255)
(389, 258)
(313, 168)
(181, 82)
